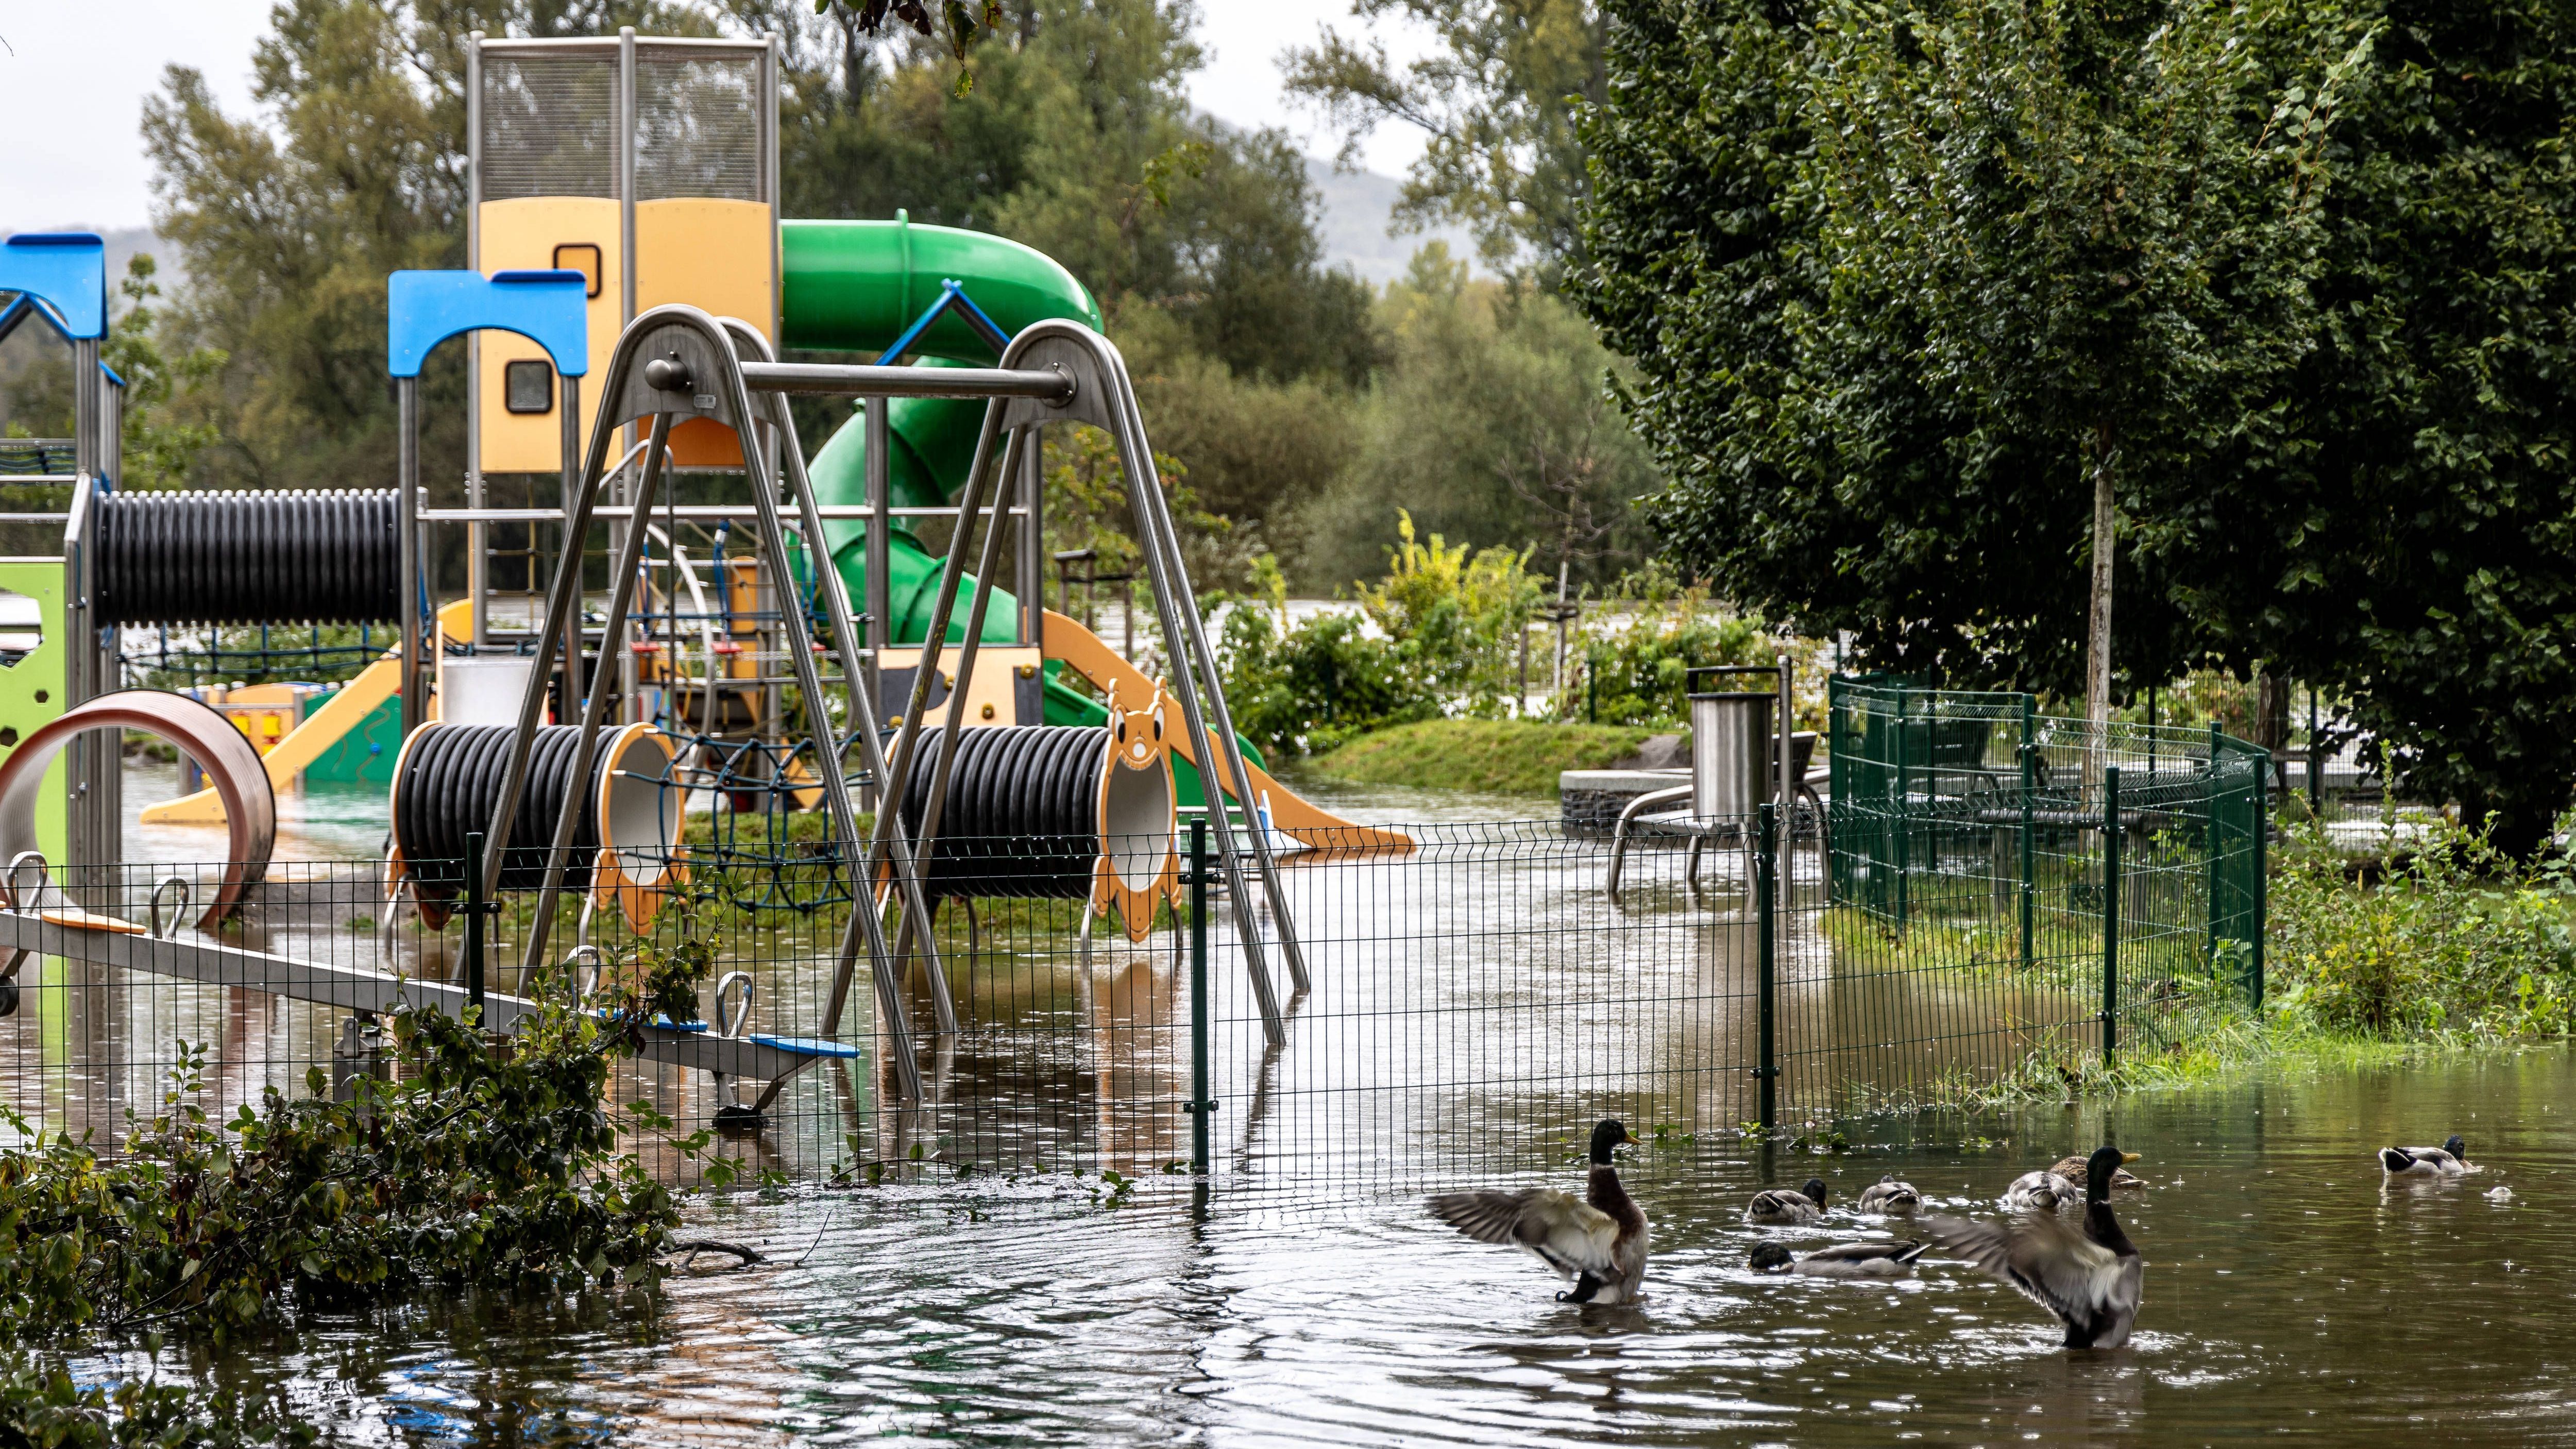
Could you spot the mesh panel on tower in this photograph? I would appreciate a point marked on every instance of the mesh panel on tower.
(696, 126)
(549, 125)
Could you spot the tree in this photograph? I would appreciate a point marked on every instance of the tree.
(1959, 274)
(1489, 426)
(1497, 99)
(2410, 544)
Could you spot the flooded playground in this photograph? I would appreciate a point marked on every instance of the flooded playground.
(1068, 1285)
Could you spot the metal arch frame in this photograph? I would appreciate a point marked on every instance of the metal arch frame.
(1051, 372)
(629, 392)
(1102, 394)
(863, 719)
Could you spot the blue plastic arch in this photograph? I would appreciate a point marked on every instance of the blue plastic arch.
(424, 309)
(65, 270)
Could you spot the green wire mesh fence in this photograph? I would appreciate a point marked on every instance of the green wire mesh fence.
(1992, 892)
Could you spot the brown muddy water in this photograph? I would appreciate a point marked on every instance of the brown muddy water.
(2290, 1293)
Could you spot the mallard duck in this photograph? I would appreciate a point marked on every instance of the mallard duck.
(2040, 1191)
(2090, 1276)
(2072, 1169)
(2451, 1159)
(1887, 1195)
(1780, 1206)
(1596, 1242)
(1842, 1260)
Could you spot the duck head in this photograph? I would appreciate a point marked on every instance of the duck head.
(2458, 1147)
(2098, 1168)
(1814, 1191)
(1769, 1258)
(1609, 1134)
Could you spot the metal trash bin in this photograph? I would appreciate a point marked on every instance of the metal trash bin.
(1734, 744)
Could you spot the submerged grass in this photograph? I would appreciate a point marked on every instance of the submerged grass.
(1493, 757)
(2456, 950)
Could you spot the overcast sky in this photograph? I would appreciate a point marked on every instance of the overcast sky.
(75, 73)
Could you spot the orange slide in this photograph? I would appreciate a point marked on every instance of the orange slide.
(1086, 654)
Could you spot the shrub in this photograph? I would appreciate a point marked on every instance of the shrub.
(2458, 938)
(490, 1162)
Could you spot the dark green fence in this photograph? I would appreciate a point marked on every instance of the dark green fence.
(1971, 834)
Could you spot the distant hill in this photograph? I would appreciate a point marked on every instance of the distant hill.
(1353, 226)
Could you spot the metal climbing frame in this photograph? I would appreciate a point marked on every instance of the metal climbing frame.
(677, 364)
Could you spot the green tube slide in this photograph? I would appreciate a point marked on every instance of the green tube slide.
(855, 286)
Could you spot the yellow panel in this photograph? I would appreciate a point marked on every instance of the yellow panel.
(719, 255)
(522, 234)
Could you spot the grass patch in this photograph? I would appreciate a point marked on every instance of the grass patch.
(1495, 757)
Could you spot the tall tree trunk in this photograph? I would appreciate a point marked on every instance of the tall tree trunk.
(2097, 632)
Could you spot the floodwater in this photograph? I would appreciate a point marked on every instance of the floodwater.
(2289, 1294)
(1304, 1296)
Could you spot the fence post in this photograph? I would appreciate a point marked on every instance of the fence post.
(1766, 1070)
(2316, 762)
(2110, 911)
(1904, 812)
(2209, 850)
(2029, 783)
(1201, 1105)
(474, 921)
(2263, 888)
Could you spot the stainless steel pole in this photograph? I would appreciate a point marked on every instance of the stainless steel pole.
(1179, 603)
(612, 635)
(835, 594)
(880, 556)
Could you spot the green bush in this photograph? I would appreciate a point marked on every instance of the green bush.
(494, 1163)
(1438, 635)
(2459, 938)
(1636, 672)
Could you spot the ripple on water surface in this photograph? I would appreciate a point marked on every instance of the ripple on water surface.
(2289, 1294)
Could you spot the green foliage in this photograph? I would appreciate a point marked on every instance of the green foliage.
(2459, 939)
(1490, 425)
(1314, 685)
(1885, 272)
(1636, 670)
(476, 1161)
(1438, 634)
(1079, 140)
(165, 411)
(2409, 545)
(1954, 261)
(40, 1405)
(1496, 96)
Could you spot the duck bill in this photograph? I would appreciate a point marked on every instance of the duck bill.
(2127, 1157)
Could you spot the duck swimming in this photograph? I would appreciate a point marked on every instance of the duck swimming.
(2451, 1159)
(1596, 1242)
(2089, 1276)
(1887, 1195)
(1779, 1206)
(2072, 1169)
(1842, 1260)
(2040, 1192)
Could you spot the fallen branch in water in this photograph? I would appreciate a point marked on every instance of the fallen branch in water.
(688, 1251)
